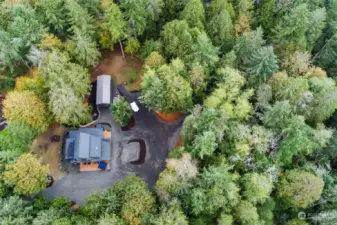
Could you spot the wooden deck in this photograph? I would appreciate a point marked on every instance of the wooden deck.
(107, 134)
(92, 166)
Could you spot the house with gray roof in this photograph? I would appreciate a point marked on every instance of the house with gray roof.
(87, 145)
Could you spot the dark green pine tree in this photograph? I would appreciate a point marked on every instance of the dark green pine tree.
(326, 58)
(261, 64)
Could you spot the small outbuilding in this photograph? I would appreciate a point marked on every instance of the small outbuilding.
(103, 90)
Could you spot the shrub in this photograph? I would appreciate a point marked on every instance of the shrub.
(121, 111)
(9, 140)
(41, 203)
(61, 203)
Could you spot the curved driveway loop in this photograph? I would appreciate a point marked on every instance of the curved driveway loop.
(159, 137)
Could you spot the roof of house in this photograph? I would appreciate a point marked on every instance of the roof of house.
(87, 144)
(103, 89)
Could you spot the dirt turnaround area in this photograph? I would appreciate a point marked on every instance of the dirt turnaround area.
(126, 71)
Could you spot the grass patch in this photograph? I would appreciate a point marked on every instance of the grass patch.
(132, 78)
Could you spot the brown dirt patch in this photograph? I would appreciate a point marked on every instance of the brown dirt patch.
(120, 69)
(49, 151)
(179, 143)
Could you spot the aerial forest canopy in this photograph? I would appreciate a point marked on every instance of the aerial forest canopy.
(255, 79)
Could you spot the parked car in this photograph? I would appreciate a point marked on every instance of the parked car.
(134, 106)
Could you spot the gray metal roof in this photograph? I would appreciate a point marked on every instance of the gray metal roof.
(83, 145)
(103, 89)
(95, 147)
(87, 144)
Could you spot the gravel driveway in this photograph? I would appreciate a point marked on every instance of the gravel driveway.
(159, 138)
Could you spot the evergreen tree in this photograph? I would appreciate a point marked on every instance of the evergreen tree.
(154, 9)
(292, 27)
(9, 50)
(83, 49)
(266, 212)
(300, 139)
(134, 12)
(316, 25)
(14, 210)
(325, 98)
(278, 116)
(173, 9)
(177, 39)
(48, 216)
(261, 64)
(67, 107)
(249, 42)
(194, 14)
(198, 79)
(225, 219)
(246, 213)
(221, 30)
(103, 202)
(56, 67)
(204, 142)
(215, 190)
(136, 199)
(244, 7)
(204, 53)
(108, 219)
(52, 14)
(164, 90)
(292, 89)
(113, 26)
(325, 58)
(79, 18)
(22, 32)
(217, 6)
(267, 15)
(257, 187)
(25, 26)
(332, 17)
(170, 215)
